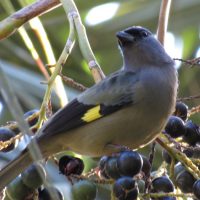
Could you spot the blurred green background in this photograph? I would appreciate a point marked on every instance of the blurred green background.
(102, 20)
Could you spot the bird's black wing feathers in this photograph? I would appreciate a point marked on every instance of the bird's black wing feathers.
(67, 118)
(104, 98)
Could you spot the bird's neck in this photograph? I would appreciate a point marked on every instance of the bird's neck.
(134, 63)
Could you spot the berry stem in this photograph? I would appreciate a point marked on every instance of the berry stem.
(172, 170)
(148, 176)
(170, 194)
(192, 168)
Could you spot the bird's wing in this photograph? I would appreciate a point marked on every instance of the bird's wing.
(104, 98)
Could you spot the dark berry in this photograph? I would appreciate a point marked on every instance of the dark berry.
(33, 121)
(146, 166)
(103, 161)
(125, 188)
(162, 184)
(84, 190)
(102, 166)
(181, 110)
(175, 127)
(6, 134)
(44, 194)
(70, 165)
(111, 168)
(178, 169)
(185, 181)
(129, 163)
(196, 189)
(192, 134)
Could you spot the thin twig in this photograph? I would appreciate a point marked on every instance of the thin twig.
(151, 155)
(172, 164)
(192, 62)
(189, 98)
(148, 176)
(5, 144)
(194, 110)
(173, 141)
(13, 125)
(18, 136)
(163, 20)
(9, 25)
(62, 59)
(170, 194)
(72, 83)
(94, 180)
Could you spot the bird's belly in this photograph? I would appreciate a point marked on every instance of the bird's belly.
(125, 129)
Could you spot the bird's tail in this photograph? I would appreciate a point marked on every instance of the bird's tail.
(14, 168)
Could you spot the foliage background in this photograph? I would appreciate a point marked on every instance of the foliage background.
(25, 75)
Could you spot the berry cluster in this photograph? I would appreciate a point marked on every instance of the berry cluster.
(122, 168)
(179, 126)
(127, 175)
(186, 138)
(10, 131)
(131, 172)
(26, 184)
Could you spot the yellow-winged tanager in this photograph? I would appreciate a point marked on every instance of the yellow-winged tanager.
(128, 108)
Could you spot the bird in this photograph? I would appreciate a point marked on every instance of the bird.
(128, 108)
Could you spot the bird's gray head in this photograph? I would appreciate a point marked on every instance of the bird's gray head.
(140, 48)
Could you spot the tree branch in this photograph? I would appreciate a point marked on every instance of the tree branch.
(163, 20)
(71, 9)
(9, 25)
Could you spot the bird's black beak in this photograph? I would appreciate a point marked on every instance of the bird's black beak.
(124, 37)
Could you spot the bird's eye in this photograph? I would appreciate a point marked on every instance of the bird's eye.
(144, 33)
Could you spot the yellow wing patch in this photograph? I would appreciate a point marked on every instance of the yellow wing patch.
(92, 114)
